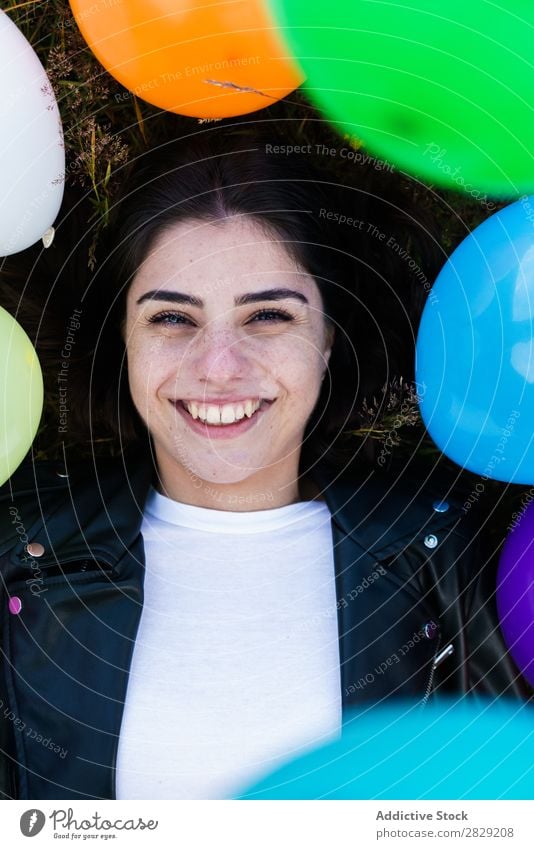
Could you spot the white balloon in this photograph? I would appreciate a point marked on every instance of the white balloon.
(32, 153)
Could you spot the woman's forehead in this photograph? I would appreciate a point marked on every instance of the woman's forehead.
(196, 240)
(231, 255)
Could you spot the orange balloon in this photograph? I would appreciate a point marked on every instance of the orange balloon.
(202, 58)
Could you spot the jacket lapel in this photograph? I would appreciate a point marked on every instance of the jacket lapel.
(68, 651)
(388, 637)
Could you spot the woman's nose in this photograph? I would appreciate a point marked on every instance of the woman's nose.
(218, 355)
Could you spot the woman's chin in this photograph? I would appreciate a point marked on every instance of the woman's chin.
(216, 477)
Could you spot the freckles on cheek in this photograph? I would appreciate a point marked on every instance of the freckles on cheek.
(145, 363)
(146, 352)
(305, 366)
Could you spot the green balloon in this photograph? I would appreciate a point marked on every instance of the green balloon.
(21, 398)
(443, 90)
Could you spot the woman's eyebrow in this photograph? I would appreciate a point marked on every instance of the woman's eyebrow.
(270, 295)
(240, 300)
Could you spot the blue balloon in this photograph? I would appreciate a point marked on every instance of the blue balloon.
(475, 349)
(473, 748)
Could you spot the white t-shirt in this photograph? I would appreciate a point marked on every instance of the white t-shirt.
(235, 667)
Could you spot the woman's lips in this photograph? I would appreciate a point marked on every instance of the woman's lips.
(222, 431)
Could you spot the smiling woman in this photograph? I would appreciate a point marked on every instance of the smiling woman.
(235, 362)
(251, 283)
(215, 597)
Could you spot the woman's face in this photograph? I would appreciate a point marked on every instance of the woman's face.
(226, 345)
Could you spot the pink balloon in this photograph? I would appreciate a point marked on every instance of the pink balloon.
(515, 592)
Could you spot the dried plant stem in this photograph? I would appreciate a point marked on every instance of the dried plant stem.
(21, 5)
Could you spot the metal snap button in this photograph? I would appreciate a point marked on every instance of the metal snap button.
(431, 541)
(430, 630)
(15, 604)
(35, 549)
(440, 506)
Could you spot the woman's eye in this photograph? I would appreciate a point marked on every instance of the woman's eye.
(170, 319)
(272, 315)
(175, 319)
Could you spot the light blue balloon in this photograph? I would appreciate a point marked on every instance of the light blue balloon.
(468, 749)
(475, 349)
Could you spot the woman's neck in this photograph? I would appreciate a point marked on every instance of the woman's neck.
(244, 496)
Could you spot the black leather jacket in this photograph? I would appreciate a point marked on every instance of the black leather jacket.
(415, 609)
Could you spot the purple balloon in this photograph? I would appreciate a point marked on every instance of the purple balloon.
(515, 592)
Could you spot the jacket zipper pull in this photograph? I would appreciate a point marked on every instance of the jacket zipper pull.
(446, 652)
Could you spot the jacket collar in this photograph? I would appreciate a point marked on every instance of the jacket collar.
(380, 512)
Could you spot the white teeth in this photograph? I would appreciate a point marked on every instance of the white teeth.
(213, 415)
(230, 414)
(227, 414)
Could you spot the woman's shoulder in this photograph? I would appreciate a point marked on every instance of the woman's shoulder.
(72, 494)
(40, 478)
(382, 507)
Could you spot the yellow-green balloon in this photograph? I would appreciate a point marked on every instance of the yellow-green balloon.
(21, 394)
(443, 90)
